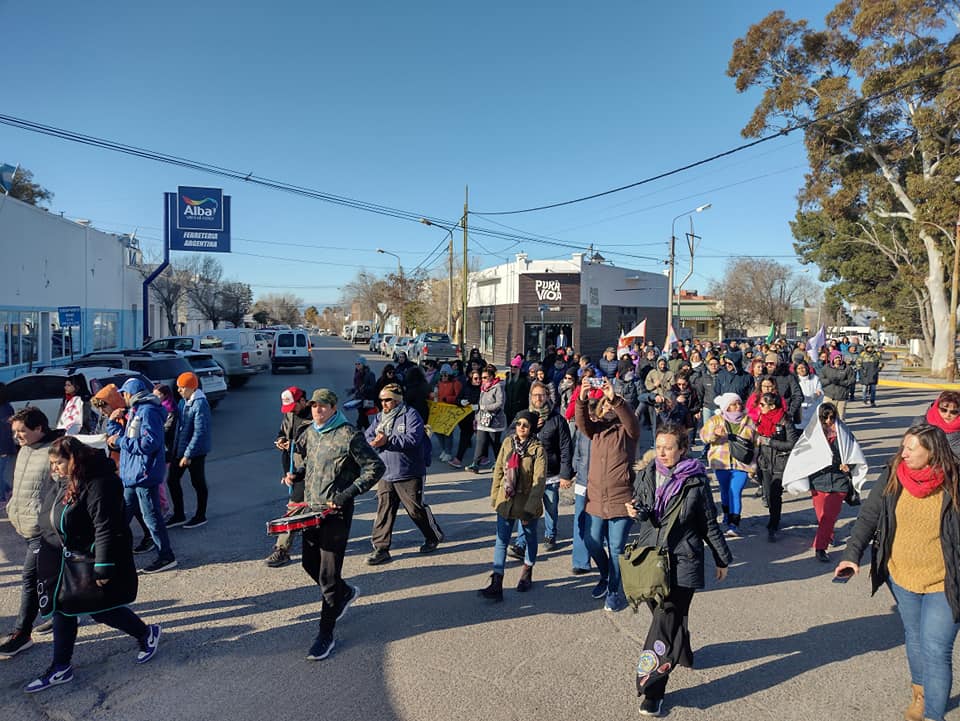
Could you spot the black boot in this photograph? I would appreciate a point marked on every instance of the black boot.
(493, 592)
(526, 579)
(726, 514)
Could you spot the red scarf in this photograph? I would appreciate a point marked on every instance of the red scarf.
(767, 425)
(935, 419)
(921, 483)
(484, 387)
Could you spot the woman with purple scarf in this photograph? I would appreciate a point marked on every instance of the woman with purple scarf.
(672, 479)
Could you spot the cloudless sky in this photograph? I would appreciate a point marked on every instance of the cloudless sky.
(404, 104)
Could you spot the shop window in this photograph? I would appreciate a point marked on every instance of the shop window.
(701, 327)
(486, 337)
(62, 340)
(105, 326)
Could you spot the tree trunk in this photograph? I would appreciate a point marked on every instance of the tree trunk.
(943, 339)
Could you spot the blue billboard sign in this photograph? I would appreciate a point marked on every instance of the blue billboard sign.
(198, 219)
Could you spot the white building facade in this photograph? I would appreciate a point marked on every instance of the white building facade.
(50, 262)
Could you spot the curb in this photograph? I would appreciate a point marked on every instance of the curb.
(919, 385)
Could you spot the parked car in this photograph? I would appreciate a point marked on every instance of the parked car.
(375, 342)
(237, 366)
(400, 344)
(385, 344)
(158, 366)
(292, 348)
(264, 342)
(44, 388)
(212, 379)
(432, 346)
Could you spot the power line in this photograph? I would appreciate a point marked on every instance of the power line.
(772, 136)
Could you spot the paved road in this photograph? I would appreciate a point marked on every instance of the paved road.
(777, 640)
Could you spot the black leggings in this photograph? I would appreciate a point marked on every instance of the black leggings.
(198, 479)
(466, 435)
(65, 630)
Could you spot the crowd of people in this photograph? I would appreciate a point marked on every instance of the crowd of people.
(637, 435)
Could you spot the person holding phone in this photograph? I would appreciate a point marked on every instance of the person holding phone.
(613, 435)
(915, 516)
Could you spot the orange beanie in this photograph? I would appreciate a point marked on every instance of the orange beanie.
(187, 380)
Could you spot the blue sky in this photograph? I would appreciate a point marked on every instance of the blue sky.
(403, 105)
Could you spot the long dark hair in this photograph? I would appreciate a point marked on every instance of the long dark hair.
(68, 448)
(934, 441)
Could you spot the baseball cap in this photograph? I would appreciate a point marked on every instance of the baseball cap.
(289, 398)
(324, 396)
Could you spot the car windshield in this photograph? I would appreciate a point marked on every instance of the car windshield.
(436, 338)
(211, 342)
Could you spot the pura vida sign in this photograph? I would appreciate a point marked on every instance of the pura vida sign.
(548, 290)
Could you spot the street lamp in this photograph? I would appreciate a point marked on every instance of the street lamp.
(400, 273)
(672, 261)
(449, 271)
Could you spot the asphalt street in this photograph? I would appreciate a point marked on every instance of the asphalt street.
(776, 640)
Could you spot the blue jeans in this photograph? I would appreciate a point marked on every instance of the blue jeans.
(581, 556)
(504, 527)
(870, 393)
(551, 511)
(148, 500)
(930, 633)
(731, 484)
(615, 532)
(5, 462)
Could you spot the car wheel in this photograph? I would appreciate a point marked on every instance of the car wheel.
(310, 368)
(273, 370)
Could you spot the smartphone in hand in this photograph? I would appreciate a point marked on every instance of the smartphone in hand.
(843, 575)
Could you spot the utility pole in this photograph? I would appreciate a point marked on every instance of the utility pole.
(463, 307)
(450, 287)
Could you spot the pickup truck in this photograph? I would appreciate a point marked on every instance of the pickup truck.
(432, 346)
(236, 364)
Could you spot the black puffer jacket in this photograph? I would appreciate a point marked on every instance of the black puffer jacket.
(878, 515)
(554, 436)
(772, 456)
(696, 525)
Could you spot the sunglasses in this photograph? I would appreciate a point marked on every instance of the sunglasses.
(523, 424)
(949, 411)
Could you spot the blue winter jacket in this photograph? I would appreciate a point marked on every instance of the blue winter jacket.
(194, 437)
(142, 457)
(403, 455)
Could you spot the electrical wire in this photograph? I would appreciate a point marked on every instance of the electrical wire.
(772, 136)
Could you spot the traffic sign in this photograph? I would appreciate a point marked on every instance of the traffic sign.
(69, 315)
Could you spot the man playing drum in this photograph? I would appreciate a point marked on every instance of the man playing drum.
(338, 465)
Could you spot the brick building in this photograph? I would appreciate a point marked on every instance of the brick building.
(525, 305)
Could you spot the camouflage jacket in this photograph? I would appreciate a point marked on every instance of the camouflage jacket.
(338, 465)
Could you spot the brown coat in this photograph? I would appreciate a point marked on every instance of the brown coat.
(613, 449)
(527, 502)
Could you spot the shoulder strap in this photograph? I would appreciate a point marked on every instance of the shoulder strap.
(671, 518)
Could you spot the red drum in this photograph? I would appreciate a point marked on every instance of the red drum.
(296, 522)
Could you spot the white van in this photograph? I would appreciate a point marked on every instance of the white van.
(292, 348)
(256, 357)
(360, 331)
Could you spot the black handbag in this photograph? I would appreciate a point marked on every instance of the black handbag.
(77, 591)
(740, 448)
